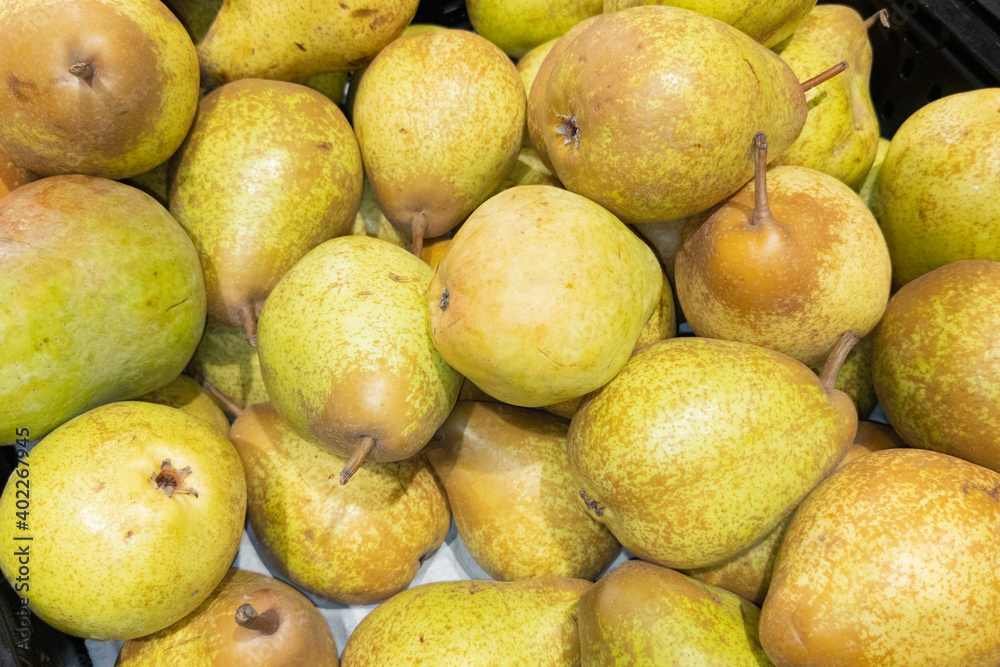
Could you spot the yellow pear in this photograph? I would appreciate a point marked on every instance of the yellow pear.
(188, 396)
(528, 67)
(11, 175)
(518, 26)
(869, 189)
(855, 376)
(370, 221)
(225, 360)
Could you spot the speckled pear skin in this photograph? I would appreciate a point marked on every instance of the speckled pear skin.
(873, 436)
(698, 448)
(256, 200)
(769, 22)
(226, 360)
(513, 496)
(101, 299)
(529, 64)
(279, 40)
(346, 352)
(869, 189)
(936, 372)
(841, 134)
(187, 396)
(355, 544)
(112, 557)
(644, 614)
(631, 113)
(855, 376)
(891, 561)
(473, 624)
(432, 156)
(12, 176)
(519, 26)
(939, 189)
(128, 117)
(210, 635)
(794, 284)
(370, 221)
(521, 302)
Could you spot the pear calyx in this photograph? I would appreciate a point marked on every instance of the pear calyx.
(357, 458)
(266, 623)
(845, 343)
(82, 70)
(569, 130)
(823, 77)
(170, 480)
(882, 16)
(592, 505)
(761, 209)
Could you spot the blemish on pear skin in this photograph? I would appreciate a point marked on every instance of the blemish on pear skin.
(361, 13)
(445, 296)
(301, 47)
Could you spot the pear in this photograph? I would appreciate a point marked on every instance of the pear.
(188, 396)
(665, 238)
(255, 201)
(769, 23)
(869, 189)
(153, 182)
(101, 299)
(270, 40)
(871, 437)
(518, 26)
(840, 137)
(470, 392)
(370, 221)
(473, 624)
(11, 175)
(346, 352)
(433, 252)
(935, 367)
(226, 361)
(354, 544)
(891, 561)
(521, 302)
(531, 62)
(939, 189)
(250, 619)
(514, 498)
(432, 156)
(99, 87)
(627, 121)
(791, 280)
(723, 442)
(136, 512)
(855, 376)
(646, 614)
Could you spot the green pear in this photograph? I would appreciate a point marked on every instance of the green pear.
(869, 189)
(841, 133)
(521, 302)
(354, 544)
(473, 624)
(935, 362)
(12, 176)
(769, 23)
(273, 40)
(99, 87)
(891, 561)
(370, 221)
(514, 498)
(518, 26)
(698, 448)
(153, 182)
(939, 189)
(855, 376)
(432, 156)
(188, 396)
(136, 511)
(646, 614)
(632, 117)
(255, 201)
(347, 356)
(101, 299)
(225, 360)
(250, 619)
(788, 263)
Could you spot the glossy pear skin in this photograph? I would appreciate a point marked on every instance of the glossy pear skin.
(129, 116)
(210, 635)
(96, 513)
(433, 157)
(631, 114)
(514, 499)
(862, 577)
(277, 40)
(936, 372)
(939, 189)
(841, 134)
(473, 624)
(101, 299)
(256, 200)
(521, 301)
(226, 360)
(670, 454)
(187, 396)
(346, 352)
(644, 614)
(518, 27)
(793, 284)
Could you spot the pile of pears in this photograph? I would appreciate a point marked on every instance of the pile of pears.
(310, 281)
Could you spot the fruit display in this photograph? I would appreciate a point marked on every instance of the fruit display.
(345, 332)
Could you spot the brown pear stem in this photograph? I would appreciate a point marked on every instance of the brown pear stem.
(227, 402)
(266, 623)
(249, 323)
(82, 70)
(845, 343)
(824, 77)
(761, 209)
(419, 229)
(357, 458)
(881, 15)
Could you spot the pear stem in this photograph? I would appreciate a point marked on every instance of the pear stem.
(881, 15)
(419, 229)
(761, 208)
(227, 402)
(82, 70)
(823, 77)
(357, 458)
(845, 343)
(266, 623)
(249, 323)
